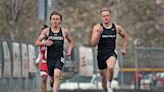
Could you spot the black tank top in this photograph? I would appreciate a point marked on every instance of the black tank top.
(107, 40)
(58, 42)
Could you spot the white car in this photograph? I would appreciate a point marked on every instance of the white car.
(147, 81)
(83, 82)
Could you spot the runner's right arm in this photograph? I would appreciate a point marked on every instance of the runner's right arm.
(39, 41)
(96, 33)
(42, 36)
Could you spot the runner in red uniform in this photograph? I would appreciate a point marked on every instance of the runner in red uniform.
(43, 65)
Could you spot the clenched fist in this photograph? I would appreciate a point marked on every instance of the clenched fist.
(49, 42)
(99, 29)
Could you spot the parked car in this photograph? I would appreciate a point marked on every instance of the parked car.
(160, 79)
(147, 81)
(83, 82)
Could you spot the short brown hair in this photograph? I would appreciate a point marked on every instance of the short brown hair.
(105, 9)
(56, 13)
(44, 26)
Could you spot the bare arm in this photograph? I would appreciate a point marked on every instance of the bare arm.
(40, 38)
(38, 60)
(70, 42)
(122, 33)
(96, 33)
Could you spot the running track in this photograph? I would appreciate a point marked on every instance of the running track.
(123, 90)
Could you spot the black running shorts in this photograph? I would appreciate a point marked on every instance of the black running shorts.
(102, 57)
(54, 63)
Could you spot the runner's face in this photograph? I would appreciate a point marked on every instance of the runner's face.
(55, 20)
(106, 17)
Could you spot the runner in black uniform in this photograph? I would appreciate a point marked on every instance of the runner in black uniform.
(55, 57)
(56, 36)
(106, 46)
(104, 35)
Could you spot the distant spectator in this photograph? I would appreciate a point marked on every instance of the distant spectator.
(137, 76)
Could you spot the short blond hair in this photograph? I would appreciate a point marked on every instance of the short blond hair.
(105, 9)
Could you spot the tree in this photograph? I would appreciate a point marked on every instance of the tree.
(143, 20)
(18, 19)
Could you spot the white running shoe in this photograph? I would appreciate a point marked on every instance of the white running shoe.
(110, 89)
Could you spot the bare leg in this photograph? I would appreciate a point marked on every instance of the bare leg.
(57, 75)
(104, 79)
(44, 83)
(110, 65)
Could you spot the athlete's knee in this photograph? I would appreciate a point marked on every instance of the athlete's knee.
(56, 77)
(44, 78)
(104, 79)
(110, 69)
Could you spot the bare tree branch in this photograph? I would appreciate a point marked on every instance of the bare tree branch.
(17, 18)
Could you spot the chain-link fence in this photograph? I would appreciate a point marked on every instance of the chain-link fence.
(142, 68)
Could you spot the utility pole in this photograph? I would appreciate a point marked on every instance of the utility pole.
(45, 9)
